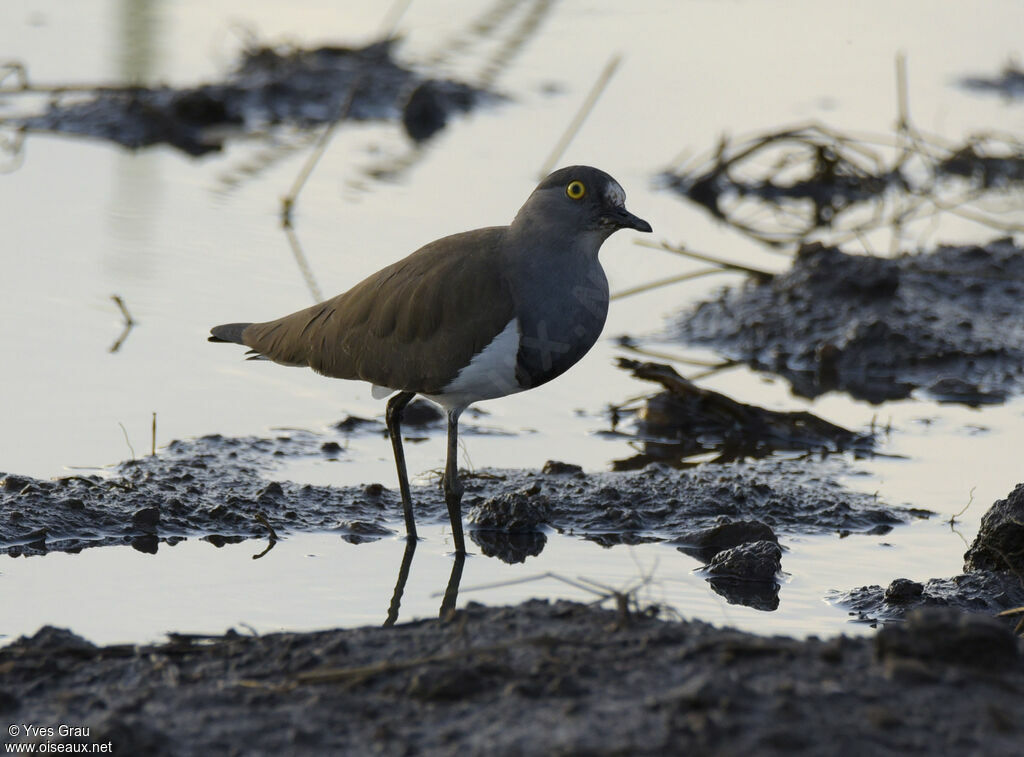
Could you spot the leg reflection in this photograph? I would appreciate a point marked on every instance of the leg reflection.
(451, 592)
(403, 576)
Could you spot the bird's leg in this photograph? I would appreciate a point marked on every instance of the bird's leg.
(393, 417)
(452, 486)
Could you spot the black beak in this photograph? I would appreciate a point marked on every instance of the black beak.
(623, 219)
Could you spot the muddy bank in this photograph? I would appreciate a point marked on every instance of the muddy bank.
(944, 321)
(537, 678)
(222, 489)
(268, 87)
(992, 581)
(975, 592)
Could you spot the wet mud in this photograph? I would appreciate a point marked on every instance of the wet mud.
(992, 581)
(221, 489)
(537, 678)
(943, 321)
(540, 677)
(269, 87)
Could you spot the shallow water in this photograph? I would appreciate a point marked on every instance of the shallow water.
(313, 581)
(190, 243)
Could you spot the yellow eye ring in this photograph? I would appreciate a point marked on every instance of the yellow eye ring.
(575, 190)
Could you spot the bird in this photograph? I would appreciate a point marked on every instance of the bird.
(473, 316)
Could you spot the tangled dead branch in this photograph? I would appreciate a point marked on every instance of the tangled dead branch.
(813, 183)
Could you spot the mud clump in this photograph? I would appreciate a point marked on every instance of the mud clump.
(556, 467)
(536, 678)
(747, 574)
(704, 545)
(751, 561)
(999, 545)
(979, 592)
(509, 525)
(513, 512)
(880, 328)
(903, 591)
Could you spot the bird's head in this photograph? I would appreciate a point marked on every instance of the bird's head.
(579, 200)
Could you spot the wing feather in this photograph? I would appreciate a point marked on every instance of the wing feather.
(411, 326)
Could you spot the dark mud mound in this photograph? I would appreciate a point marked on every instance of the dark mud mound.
(984, 592)
(748, 574)
(992, 582)
(659, 503)
(537, 678)
(218, 488)
(999, 545)
(685, 421)
(211, 487)
(946, 321)
(300, 87)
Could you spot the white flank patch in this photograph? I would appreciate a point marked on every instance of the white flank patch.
(490, 374)
(380, 392)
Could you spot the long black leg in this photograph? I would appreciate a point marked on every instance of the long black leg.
(452, 486)
(396, 406)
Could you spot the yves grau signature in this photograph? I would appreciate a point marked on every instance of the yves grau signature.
(39, 739)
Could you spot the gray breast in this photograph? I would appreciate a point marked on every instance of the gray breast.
(560, 319)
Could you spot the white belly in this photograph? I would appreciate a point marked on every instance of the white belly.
(490, 374)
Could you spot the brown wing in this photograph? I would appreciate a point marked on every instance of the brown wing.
(411, 326)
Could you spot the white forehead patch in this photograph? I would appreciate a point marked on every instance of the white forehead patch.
(615, 194)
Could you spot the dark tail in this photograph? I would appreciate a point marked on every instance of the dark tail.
(229, 332)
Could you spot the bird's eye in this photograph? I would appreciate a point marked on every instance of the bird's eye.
(575, 190)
